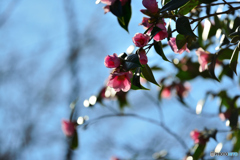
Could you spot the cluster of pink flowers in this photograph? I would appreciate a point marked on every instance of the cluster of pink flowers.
(181, 90)
(203, 59)
(172, 43)
(198, 137)
(111, 2)
(118, 79)
(68, 127)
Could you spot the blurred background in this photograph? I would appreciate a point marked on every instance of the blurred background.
(52, 52)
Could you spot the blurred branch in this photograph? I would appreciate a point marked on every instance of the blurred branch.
(8, 12)
(178, 138)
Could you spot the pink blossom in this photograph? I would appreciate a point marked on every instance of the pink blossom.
(140, 40)
(114, 158)
(112, 61)
(225, 115)
(120, 81)
(106, 9)
(145, 23)
(161, 24)
(198, 137)
(123, 2)
(182, 89)
(108, 2)
(142, 57)
(161, 35)
(68, 128)
(203, 59)
(173, 45)
(166, 92)
(151, 5)
(195, 134)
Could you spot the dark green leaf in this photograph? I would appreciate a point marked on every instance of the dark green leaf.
(234, 119)
(156, 68)
(148, 75)
(74, 141)
(188, 7)
(116, 9)
(173, 4)
(235, 39)
(207, 1)
(136, 80)
(183, 27)
(234, 34)
(234, 59)
(236, 146)
(224, 54)
(198, 151)
(131, 62)
(211, 67)
(126, 16)
(181, 40)
(225, 41)
(226, 71)
(159, 50)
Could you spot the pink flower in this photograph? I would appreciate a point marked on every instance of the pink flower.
(68, 128)
(195, 134)
(114, 158)
(142, 56)
(108, 2)
(123, 2)
(225, 115)
(120, 81)
(203, 59)
(161, 35)
(173, 45)
(140, 40)
(166, 92)
(145, 23)
(198, 137)
(106, 9)
(161, 24)
(112, 61)
(182, 89)
(151, 5)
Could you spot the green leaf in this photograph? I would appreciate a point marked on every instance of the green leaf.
(173, 4)
(226, 71)
(159, 50)
(74, 141)
(183, 27)
(131, 62)
(224, 54)
(234, 59)
(116, 9)
(234, 34)
(211, 67)
(234, 118)
(188, 7)
(198, 151)
(207, 1)
(236, 146)
(126, 15)
(148, 75)
(235, 39)
(136, 80)
(181, 40)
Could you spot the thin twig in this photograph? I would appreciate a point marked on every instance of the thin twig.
(178, 138)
